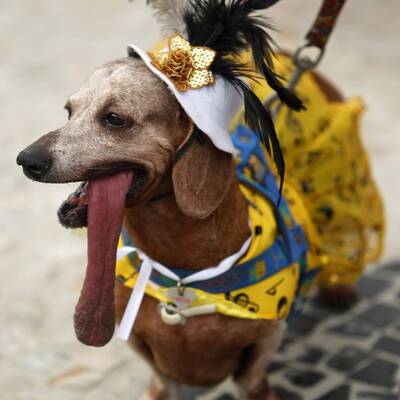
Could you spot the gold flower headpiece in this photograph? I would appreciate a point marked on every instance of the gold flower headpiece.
(185, 65)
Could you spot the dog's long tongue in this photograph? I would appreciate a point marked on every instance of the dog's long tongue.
(94, 314)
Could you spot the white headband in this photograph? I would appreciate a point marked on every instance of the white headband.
(211, 107)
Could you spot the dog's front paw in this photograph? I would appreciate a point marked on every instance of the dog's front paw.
(262, 392)
(340, 298)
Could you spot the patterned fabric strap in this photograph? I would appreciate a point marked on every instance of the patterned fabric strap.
(243, 275)
(323, 26)
(254, 172)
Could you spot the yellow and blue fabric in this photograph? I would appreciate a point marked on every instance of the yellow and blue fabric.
(274, 272)
(327, 166)
(329, 192)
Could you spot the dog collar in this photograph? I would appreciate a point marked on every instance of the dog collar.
(148, 265)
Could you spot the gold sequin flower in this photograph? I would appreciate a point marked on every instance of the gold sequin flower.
(185, 65)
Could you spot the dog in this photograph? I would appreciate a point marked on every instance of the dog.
(149, 164)
(124, 118)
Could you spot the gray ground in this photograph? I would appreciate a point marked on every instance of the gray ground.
(46, 49)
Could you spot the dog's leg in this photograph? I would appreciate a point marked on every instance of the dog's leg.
(251, 376)
(161, 389)
(339, 298)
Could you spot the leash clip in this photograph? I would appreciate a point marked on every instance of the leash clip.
(170, 314)
(304, 61)
(181, 288)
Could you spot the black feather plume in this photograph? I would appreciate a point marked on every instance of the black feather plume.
(231, 27)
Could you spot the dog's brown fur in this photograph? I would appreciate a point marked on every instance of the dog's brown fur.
(202, 219)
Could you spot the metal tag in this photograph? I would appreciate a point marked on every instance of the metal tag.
(182, 297)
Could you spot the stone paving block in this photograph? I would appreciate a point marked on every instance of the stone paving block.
(311, 355)
(393, 267)
(339, 393)
(389, 345)
(41, 361)
(284, 394)
(355, 328)
(304, 378)
(303, 324)
(370, 287)
(378, 372)
(98, 396)
(34, 393)
(380, 315)
(397, 326)
(225, 396)
(77, 378)
(192, 392)
(317, 308)
(347, 359)
(365, 395)
(275, 366)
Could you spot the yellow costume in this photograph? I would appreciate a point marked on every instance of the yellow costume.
(327, 164)
(270, 298)
(329, 193)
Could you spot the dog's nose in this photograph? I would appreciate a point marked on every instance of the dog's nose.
(35, 162)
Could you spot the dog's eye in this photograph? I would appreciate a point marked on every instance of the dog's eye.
(114, 120)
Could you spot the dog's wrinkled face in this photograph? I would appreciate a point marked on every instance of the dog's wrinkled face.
(122, 118)
(122, 115)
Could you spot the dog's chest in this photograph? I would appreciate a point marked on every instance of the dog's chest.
(207, 341)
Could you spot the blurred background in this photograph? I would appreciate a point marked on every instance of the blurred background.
(47, 49)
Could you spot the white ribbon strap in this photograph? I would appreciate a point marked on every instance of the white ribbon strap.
(224, 266)
(132, 309)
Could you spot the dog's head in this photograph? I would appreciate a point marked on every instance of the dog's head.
(125, 118)
(122, 140)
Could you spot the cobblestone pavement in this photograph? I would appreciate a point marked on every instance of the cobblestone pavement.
(46, 49)
(354, 355)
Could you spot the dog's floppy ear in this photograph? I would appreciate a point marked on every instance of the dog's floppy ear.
(201, 177)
